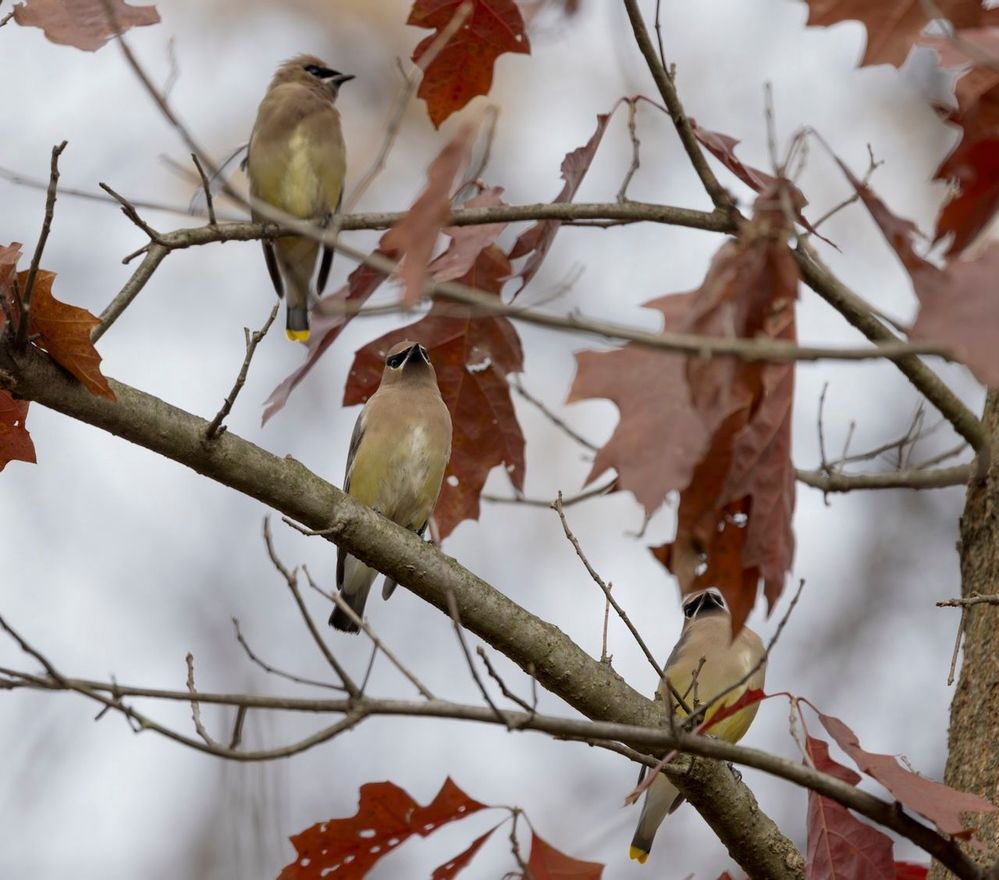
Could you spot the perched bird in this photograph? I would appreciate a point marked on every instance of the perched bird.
(703, 664)
(398, 452)
(296, 163)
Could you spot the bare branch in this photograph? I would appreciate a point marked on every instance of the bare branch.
(622, 193)
(196, 707)
(913, 478)
(558, 507)
(272, 670)
(667, 88)
(456, 620)
(212, 221)
(215, 427)
(968, 601)
(36, 257)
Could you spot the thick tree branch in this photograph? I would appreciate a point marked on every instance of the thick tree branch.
(592, 688)
(913, 478)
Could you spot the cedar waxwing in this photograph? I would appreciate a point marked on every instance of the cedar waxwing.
(398, 452)
(707, 635)
(296, 162)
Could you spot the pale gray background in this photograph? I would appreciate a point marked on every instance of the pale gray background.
(118, 562)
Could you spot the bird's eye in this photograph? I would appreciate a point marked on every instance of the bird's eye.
(396, 360)
(320, 72)
(690, 610)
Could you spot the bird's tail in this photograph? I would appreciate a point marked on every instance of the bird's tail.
(357, 580)
(661, 799)
(298, 323)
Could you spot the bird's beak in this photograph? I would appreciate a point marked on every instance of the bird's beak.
(341, 79)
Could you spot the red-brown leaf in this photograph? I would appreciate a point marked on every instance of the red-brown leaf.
(722, 147)
(415, 235)
(453, 867)
(750, 697)
(659, 438)
(386, 818)
(935, 801)
(972, 168)
(892, 25)
(841, 847)
(467, 242)
(84, 24)
(15, 442)
(911, 871)
(472, 355)
(537, 239)
(548, 863)
(464, 67)
(331, 314)
(65, 334)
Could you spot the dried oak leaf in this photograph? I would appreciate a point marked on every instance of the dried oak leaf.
(548, 863)
(463, 69)
(716, 429)
(841, 847)
(472, 355)
(892, 25)
(467, 242)
(972, 168)
(84, 24)
(386, 818)
(415, 235)
(911, 871)
(453, 867)
(537, 239)
(15, 442)
(935, 801)
(957, 304)
(64, 332)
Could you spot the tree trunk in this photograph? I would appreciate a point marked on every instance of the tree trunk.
(973, 756)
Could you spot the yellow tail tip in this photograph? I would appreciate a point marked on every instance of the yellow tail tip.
(638, 855)
(298, 335)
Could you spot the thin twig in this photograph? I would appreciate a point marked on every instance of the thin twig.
(558, 507)
(128, 209)
(494, 675)
(667, 89)
(957, 646)
(622, 193)
(595, 492)
(550, 415)
(452, 605)
(150, 263)
(968, 601)
(195, 706)
(208, 190)
(291, 580)
(356, 618)
(29, 286)
(272, 670)
(604, 656)
(215, 427)
(237, 728)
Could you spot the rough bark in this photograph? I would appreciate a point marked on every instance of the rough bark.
(973, 755)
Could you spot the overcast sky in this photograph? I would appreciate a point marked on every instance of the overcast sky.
(118, 562)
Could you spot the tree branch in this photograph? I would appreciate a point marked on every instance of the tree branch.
(912, 478)
(592, 688)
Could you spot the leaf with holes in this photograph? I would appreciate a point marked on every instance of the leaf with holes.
(472, 355)
(453, 867)
(64, 332)
(415, 235)
(935, 801)
(841, 847)
(548, 863)
(717, 429)
(15, 442)
(85, 24)
(537, 239)
(386, 818)
(463, 69)
(892, 25)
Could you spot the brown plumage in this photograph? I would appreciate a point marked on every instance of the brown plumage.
(398, 452)
(296, 163)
